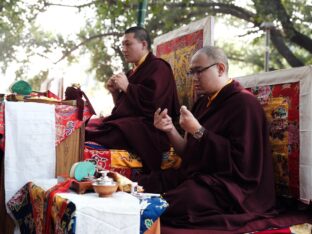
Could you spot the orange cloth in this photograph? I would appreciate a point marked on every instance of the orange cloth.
(216, 94)
(135, 67)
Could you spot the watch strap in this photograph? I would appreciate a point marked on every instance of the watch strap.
(199, 133)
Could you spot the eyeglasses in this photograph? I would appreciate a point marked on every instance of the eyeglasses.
(199, 71)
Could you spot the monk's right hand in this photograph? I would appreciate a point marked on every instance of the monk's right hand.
(111, 86)
(163, 121)
(187, 120)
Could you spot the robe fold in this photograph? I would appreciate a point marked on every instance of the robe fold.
(130, 125)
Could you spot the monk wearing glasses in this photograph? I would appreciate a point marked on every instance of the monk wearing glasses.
(226, 177)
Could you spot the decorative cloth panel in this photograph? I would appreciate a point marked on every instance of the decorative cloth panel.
(281, 105)
(177, 48)
(286, 96)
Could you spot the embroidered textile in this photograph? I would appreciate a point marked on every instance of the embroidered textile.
(29, 207)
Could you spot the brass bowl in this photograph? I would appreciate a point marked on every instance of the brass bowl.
(105, 190)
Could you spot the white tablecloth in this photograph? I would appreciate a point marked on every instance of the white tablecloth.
(118, 214)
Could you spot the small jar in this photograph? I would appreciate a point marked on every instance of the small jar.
(134, 187)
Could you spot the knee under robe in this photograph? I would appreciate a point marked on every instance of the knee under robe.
(130, 125)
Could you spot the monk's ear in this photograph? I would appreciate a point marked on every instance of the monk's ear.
(221, 69)
(145, 45)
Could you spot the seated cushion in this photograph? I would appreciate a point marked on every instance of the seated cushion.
(124, 162)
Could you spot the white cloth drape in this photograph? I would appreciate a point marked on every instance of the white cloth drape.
(29, 144)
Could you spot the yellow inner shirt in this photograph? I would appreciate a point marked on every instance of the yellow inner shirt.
(135, 67)
(216, 94)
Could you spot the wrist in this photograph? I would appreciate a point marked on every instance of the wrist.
(171, 132)
(125, 89)
(199, 132)
(193, 128)
(114, 93)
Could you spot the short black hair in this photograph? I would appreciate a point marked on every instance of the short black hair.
(140, 34)
(216, 54)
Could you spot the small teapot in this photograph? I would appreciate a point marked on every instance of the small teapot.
(104, 179)
(104, 186)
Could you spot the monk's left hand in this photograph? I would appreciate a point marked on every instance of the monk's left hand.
(187, 120)
(163, 121)
(121, 81)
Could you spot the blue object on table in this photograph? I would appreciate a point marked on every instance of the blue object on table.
(151, 209)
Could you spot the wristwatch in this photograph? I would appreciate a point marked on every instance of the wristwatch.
(199, 133)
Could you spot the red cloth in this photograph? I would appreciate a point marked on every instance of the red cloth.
(66, 120)
(102, 159)
(276, 231)
(59, 188)
(2, 126)
(77, 94)
(52, 95)
(130, 125)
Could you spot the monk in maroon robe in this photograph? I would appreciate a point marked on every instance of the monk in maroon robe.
(226, 178)
(148, 86)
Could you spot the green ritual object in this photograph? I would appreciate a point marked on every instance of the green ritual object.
(21, 87)
(81, 170)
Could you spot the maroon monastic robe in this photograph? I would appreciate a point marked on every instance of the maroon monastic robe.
(228, 172)
(130, 125)
(226, 179)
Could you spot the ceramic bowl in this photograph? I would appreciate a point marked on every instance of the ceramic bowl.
(105, 190)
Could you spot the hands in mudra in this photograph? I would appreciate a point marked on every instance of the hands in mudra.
(187, 120)
(117, 82)
(163, 121)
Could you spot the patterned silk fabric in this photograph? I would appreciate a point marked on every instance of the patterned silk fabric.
(151, 210)
(124, 162)
(29, 207)
(281, 105)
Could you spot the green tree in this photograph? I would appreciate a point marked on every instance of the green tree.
(290, 36)
(20, 37)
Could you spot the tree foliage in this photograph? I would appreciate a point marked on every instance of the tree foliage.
(290, 36)
(20, 37)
